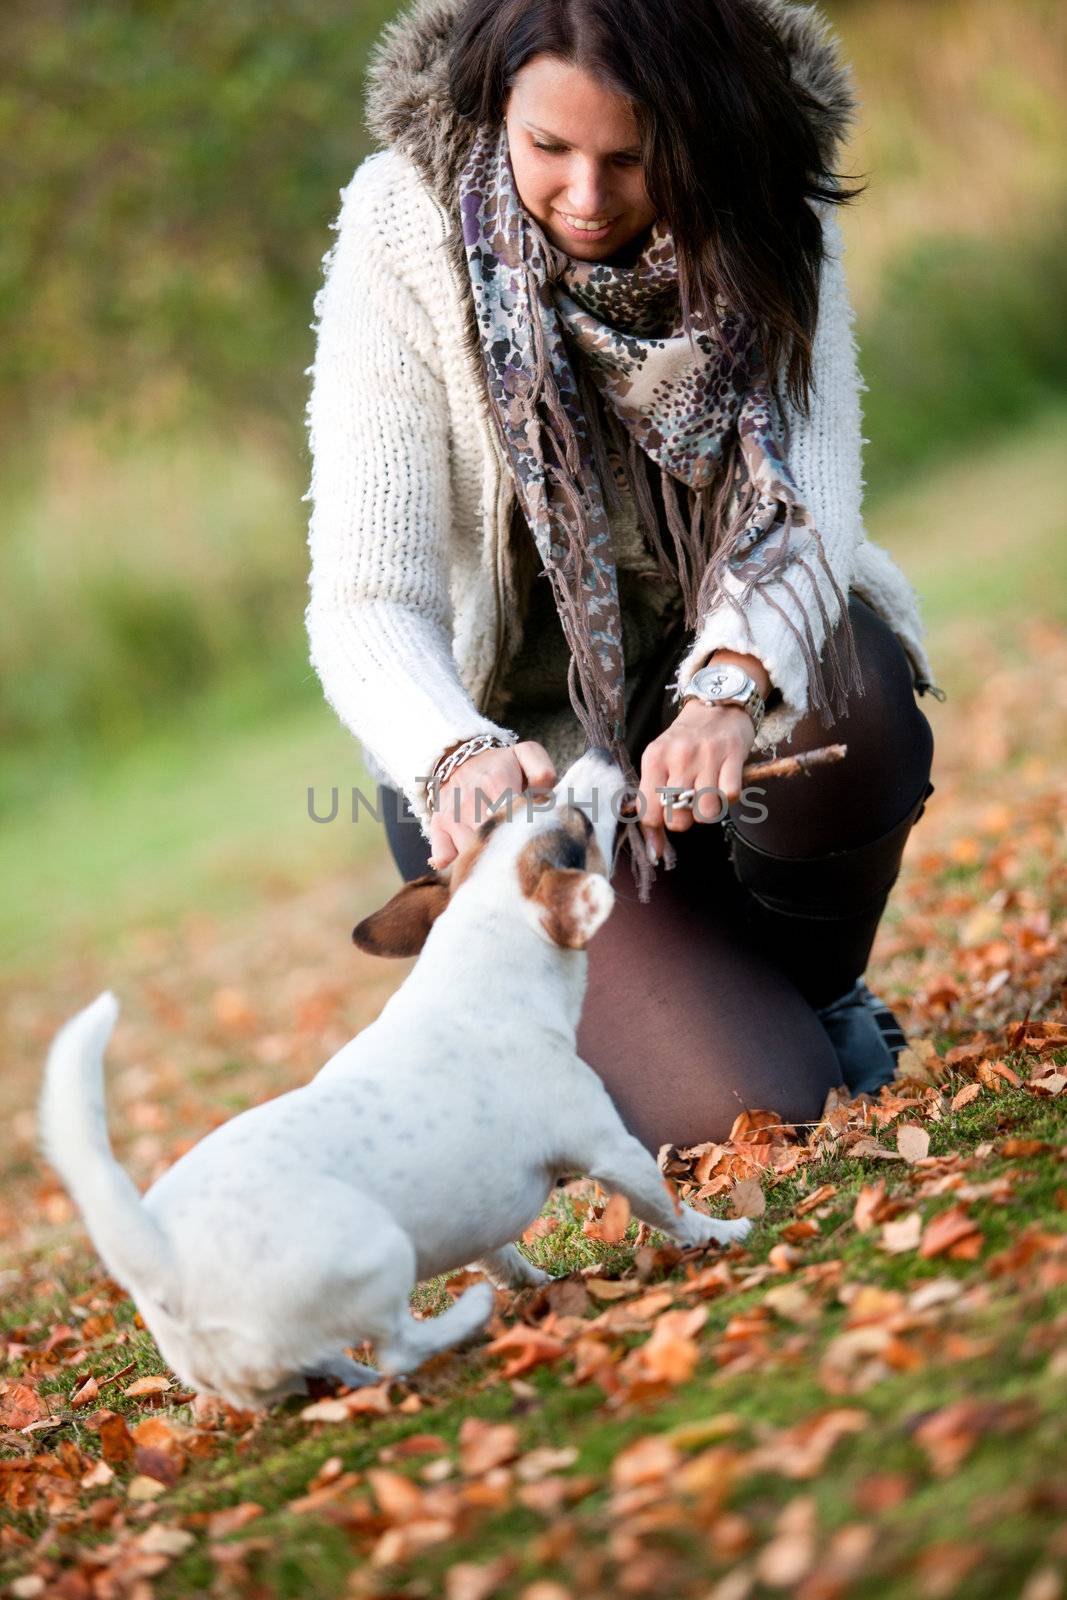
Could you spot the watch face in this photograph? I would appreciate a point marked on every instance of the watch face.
(721, 683)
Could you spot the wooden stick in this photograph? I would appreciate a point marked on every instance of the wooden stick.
(784, 766)
(789, 766)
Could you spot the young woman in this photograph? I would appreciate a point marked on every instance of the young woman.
(586, 321)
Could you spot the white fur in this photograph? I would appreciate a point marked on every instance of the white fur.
(430, 1140)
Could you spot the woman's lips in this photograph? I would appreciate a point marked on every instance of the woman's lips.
(590, 235)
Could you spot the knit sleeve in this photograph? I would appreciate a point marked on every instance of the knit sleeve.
(825, 456)
(379, 618)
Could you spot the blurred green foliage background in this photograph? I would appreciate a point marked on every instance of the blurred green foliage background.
(169, 170)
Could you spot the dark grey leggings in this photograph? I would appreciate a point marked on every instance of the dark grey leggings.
(700, 1003)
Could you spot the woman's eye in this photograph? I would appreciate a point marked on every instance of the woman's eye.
(553, 149)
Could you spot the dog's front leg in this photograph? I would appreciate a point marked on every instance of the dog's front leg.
(625, 1167)
(508, 1268)
(353, 1374)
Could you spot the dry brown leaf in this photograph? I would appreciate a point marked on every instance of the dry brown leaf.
(371, 1401)
(545, 1459)
(151, 1385)
(231, 1519)
(997, 1076)
(949, 1435)
(913, 1142)
(818, 1197)
(801, 1451)
(747, 1198)
(902, 1234)
(671, 1354)
(610, 1227)
(611, 1288)
(647, 1460)
(151, 1463)
(870, 1150)
(868, 1204)
(401, 1544)
(470, 1580)
(758, 1127)
(1021, 1149)
(399, 1500)
(792, 1303)
(116, 1441)
(167, 1438)
(966, 1096)
(539, 1230)
(869, 1302)
(947, 1232)
(325, 1411)
(145, 1486)
(797, 1232)
(919, 1060)
(20, 1405)
(483, 1445)
(525, 1349)
(786, 1560)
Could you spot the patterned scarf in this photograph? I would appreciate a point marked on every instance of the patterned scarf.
(582, 357)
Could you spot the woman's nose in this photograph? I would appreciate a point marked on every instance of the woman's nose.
(587, 192)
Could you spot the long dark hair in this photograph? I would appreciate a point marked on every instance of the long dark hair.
(729, 139)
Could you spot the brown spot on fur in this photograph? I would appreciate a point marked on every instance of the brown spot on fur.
(400, 927)
(556, 870)
(570, 843)
(559, 891)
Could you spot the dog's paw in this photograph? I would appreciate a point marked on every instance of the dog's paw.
(733, 1230)
(525, 1277)
(509, 1269)
(702, 1230)
(531, 1277)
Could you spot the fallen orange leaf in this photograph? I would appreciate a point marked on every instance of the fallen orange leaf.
(948, 1231)
(610, 1227)
(527, 1348)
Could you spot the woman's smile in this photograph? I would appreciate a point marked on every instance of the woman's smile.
(575, 150)
(596, 229)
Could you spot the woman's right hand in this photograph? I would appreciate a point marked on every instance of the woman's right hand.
(482, 780)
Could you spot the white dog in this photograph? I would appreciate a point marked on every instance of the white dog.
(429, 1141)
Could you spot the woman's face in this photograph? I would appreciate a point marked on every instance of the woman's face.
(576, 155)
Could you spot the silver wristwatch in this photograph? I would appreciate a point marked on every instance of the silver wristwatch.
(726, 685)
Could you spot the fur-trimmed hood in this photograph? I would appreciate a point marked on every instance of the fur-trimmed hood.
(409, 109)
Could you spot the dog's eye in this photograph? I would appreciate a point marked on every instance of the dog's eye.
(571, 852)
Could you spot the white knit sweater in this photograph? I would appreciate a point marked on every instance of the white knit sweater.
(411, 592)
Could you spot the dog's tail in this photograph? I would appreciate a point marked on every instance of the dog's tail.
(72, 1121)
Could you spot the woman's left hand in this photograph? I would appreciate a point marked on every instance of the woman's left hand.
(704, 748)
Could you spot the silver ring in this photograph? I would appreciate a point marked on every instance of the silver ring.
(683, 800)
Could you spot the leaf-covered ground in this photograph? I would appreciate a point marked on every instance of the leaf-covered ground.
(867, 1400)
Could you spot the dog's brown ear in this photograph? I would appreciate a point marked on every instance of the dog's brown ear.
(400, 927)
(572, 904)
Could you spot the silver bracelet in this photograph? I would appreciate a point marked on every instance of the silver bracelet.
(445, 766)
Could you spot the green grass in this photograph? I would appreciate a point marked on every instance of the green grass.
(985, 534)
(208, 814)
